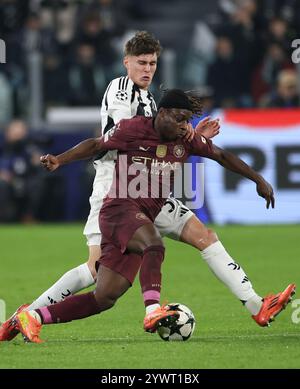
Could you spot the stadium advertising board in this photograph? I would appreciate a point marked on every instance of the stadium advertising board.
(269, 141)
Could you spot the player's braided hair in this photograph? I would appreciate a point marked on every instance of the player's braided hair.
(195, 100)
(142, 43)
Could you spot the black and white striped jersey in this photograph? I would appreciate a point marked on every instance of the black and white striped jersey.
(122, 100)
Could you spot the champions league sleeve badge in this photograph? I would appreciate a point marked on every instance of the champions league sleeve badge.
(122, 95)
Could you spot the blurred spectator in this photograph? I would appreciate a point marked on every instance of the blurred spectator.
(33, 38)
(198, 56)
(244, 33)
(278, 33)
(266, 74)
(287, 92)
(275, 60)
(86, 79)
(224, 74)
(36, 38)
(55, 81)
(93, 34)
(13, 14)
(20, 184)
(282, 8)
(111, 12)
(60, 14)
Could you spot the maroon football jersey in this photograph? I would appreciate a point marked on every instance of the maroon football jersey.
(145, 166)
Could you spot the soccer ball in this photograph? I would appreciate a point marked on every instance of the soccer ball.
(182, 328)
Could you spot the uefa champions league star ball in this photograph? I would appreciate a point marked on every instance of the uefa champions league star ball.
(180, 329)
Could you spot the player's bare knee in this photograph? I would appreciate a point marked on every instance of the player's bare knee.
(109, 302)
(153, 243)
(211, 237)
(149, 242)
(105, 301)
(157, 241)
(205, 239)
(153, 239)
(94, 253)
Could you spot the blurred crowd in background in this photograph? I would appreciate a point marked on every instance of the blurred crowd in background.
(27, 192)
(237, 51)
(240, 49)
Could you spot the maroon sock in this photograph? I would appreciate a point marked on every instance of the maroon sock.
(72, 308)
(150, 275)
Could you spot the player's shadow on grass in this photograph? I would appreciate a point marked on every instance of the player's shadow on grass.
(254, 338)
(116, 341)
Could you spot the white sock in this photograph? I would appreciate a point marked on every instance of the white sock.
(254, 304)
(232, 275)
(70, 283)
(151, 308)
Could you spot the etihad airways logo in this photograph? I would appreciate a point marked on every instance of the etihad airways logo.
(156, 163)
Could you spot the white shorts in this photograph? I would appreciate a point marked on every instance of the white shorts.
(170, 221)
(101, 185)
(172, 218)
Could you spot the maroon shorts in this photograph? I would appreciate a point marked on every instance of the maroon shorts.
(127, 264)
(119, 220)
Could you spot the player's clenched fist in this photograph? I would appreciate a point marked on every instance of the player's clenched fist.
(49, 162)
(265, 190)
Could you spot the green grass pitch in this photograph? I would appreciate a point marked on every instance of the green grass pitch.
(32, 258)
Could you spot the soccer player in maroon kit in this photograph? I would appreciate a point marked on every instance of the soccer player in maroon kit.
(148, 149)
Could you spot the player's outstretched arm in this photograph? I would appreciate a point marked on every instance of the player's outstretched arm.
(235, 164)
(82, 150)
